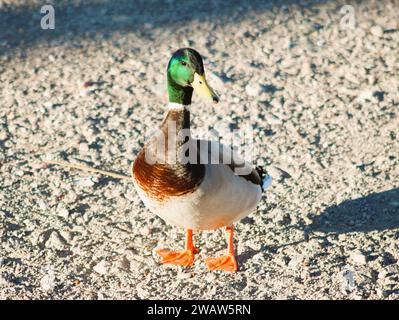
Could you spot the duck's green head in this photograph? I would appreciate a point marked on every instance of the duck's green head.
(185, 74)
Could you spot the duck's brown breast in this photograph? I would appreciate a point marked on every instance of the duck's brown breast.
(162, 181)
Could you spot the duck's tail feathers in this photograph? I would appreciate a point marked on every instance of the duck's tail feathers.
(266, 180)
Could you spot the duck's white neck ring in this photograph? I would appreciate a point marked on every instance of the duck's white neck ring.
(177, 106)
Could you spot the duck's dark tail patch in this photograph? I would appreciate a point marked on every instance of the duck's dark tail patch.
(266, 180)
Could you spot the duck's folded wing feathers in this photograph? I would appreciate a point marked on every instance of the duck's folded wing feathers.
(217, 153)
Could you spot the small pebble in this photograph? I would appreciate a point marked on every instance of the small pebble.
(348, 282)
(296, 261)
(4, 282)
(63, 212)
(277, 173)
(83, 148)
(19, 173)
(85, 182)
(3, 135)
(381, 293)
(102, 267)
(358, 258)
(376, 31)
(124, 263)
(211, 277)
(184, 275)
(42, 205)
(253, 89)
(145, 231)
(47, 283)
(365, 95)
(55, 241)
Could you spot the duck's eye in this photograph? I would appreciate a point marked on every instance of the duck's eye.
(183, 63)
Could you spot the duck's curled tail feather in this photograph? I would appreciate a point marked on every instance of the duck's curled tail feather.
(266, 180)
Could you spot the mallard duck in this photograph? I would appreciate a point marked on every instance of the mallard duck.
(200, 193)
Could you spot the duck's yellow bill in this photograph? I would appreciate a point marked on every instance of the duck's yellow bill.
(202, 88)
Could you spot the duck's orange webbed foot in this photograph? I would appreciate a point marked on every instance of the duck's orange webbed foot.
(184, 258)
(226, 263)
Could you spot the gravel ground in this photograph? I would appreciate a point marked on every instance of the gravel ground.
(321, 97)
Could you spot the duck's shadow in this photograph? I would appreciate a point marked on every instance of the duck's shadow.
(374, 212)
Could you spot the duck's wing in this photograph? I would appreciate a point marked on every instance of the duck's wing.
(217, 153)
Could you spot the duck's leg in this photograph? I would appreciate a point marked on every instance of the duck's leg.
(228, 262)
(184, 258)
